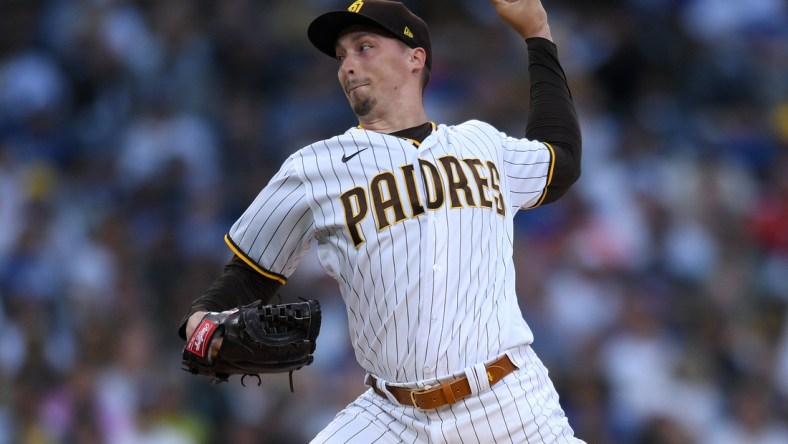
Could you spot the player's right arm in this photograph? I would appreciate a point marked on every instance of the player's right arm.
(552, 118)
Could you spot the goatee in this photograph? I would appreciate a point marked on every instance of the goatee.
(364, 106)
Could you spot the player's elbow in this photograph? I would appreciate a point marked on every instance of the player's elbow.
(567, 167)
(566, 171)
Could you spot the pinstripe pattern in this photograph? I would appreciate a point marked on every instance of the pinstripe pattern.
(522, 408)
(420, 240)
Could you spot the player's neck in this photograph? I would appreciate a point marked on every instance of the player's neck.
(400, 119)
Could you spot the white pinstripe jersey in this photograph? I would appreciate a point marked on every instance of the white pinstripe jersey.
(419, 238)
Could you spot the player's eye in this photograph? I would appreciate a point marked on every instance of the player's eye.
(364, 47)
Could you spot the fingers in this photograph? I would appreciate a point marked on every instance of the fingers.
(216, 344)
(194, 321)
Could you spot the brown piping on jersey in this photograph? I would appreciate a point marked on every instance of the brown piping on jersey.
(251, 263)
(549, 175)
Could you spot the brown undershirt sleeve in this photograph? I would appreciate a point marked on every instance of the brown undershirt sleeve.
(552, 117)
(239, 285)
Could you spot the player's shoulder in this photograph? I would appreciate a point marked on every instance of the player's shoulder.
(475, 130)
(473, 126)
(310, 160)
(331, 144)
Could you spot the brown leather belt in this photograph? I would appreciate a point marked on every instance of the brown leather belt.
(448, 392)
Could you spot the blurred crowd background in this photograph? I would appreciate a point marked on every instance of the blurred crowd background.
(133, 133)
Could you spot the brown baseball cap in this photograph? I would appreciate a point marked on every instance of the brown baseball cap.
(392, 16)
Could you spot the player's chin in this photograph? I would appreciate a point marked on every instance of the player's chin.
(362, 106)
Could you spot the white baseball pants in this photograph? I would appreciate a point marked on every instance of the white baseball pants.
(521, 408)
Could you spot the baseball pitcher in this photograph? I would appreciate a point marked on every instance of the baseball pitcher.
(414, 220)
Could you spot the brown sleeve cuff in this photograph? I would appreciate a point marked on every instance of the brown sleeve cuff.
(239, 285)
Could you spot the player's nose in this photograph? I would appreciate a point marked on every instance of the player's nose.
(348, 71)
(349, 64)
(346, 75)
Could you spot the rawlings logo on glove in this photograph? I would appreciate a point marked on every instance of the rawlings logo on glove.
(197, 342)
(255, 339)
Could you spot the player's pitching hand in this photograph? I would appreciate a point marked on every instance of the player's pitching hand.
(527, 17)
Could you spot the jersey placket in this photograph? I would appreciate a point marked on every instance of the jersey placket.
(433, 274)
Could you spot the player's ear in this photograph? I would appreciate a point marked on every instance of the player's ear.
(418, 58)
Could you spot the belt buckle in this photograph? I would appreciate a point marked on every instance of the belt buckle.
(424, 389)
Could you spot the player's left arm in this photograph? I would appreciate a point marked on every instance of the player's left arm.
(279, 218)
(552, 118)
(238, 285)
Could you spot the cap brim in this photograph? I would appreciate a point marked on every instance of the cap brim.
(324, 30)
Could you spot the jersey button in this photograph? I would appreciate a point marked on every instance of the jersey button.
(437, 267)
(427, 369)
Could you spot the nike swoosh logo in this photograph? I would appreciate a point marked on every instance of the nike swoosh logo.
(346, 158)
